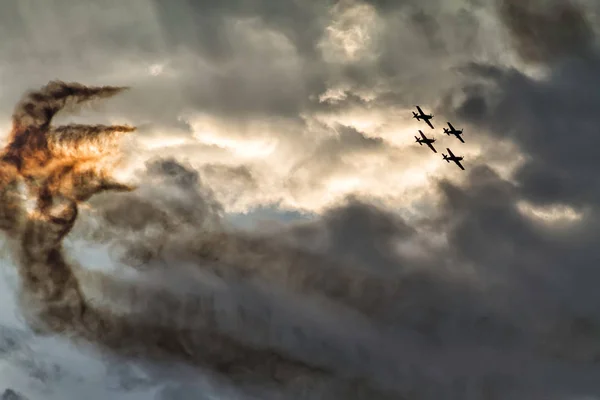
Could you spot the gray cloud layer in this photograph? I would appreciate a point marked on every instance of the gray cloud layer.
(479, 296)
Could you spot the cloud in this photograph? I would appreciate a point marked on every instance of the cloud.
(427, 282)
(546, 30)
(254, 71)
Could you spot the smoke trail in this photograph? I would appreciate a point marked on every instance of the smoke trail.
(80, 140)
(37, 108)
(60, 167)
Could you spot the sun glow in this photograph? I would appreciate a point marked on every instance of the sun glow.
(252, 141)
(166, 141)
(240, 147)
(343, 185)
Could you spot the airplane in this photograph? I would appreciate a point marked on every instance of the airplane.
(423, 116)
(425, 140)
(452, 157)
(454, 132)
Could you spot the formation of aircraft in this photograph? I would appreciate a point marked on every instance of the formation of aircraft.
(429, 141)
(426, 140)
(422, 116)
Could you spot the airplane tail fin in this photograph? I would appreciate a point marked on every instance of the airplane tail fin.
(415, 115)
(418, 141)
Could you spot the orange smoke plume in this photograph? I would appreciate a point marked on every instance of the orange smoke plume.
(65, 160)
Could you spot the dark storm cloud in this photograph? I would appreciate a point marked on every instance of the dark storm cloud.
(486, 228)
(553, 120)
(547, 269)
(542, 277)
(380, 231)
(527, 291)
(545, 30)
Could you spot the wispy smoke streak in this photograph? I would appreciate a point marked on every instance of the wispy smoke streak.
(81, 140)
(37, 108)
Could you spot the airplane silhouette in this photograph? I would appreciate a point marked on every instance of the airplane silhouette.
(423, 116)
(454, 158)
(426, 140)
(454, 132)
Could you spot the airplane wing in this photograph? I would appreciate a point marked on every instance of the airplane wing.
(420, 111)
(451, 127)
(431, 147)
(422, 134)
(450, 152)
(459, 164)
(429, 123)
(460, 138)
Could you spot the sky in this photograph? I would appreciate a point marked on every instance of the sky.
(286, 128)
